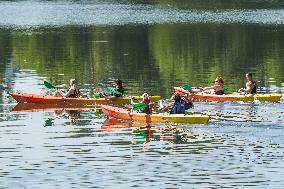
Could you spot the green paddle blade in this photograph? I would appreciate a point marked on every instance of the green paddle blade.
(48, 85)
(139, 106)
(112, 90)
(186, 87)
(226, 88)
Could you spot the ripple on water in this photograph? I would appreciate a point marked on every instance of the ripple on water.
(237, 151)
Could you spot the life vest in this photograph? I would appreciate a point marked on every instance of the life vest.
(221, 92)
(119, 89)
(149, 108)
(178, 108)
(187, 103)
(253, 91)
(75, 93)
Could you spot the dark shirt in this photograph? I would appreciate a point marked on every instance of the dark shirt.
(74, 94)
(253, 91)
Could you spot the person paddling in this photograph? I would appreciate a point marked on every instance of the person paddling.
(119, 90)
(217, 88)
(145, 99)
(113, 92)
(72, 92)
(179, 105)
(250, 85)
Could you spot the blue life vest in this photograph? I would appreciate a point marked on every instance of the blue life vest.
(178, 108)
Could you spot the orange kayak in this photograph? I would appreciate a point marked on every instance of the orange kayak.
(125, 114)
(229, 97)
(41, 99)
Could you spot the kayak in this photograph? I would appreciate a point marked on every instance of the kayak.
(42, 99)
(126, 114)
(197, 97)
(36, 107)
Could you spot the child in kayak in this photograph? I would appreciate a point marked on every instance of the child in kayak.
(250, 85)
(179, 105)
(145, 99)
(116, 91)
(72, 92)
(217, 88)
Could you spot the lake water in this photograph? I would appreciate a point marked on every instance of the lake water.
(152, 46)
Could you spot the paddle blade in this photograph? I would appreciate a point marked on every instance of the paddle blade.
(48, 85)
(112, 90)
(186, 87)
(139, 106)
(226, 88)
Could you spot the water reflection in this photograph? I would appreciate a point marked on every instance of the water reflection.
(219, 155)
(195, 56)
(70, 112)
(145, 133)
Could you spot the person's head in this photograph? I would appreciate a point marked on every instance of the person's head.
(72, 82)
(118, 82)
(249, 76)
(219, 80)
(176, 97)
(145, 96)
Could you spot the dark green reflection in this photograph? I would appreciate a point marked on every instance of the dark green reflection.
(149, 58)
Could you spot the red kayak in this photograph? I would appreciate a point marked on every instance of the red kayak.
(42, 99)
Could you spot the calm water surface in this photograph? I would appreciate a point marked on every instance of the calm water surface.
(152, 47)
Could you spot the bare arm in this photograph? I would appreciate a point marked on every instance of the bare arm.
(68, 92)
(208, 88)
(249, 87)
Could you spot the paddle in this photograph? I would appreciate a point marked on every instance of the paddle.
(48, 85)
(186, 87)
(112, 90)
(139, 106)
(226, 88)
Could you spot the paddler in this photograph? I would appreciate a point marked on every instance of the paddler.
(250, 85)
(119, 88)
(145, 99)
(116, 91)
(178, 106)
(72, 92)
(217, 88)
